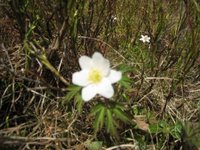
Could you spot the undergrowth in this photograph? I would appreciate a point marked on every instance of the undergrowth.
(156, 103)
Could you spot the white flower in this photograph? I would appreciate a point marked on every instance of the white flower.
(145, 38)
(95, 76)
(114, 18)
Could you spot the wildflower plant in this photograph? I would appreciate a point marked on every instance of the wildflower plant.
(96, 77)
(95, 82)
(145, 39)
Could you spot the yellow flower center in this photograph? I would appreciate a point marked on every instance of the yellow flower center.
(95, 76)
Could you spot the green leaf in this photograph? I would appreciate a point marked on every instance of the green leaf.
(96, 145)
(120, 115)
(119, 106)
(99, 120)
(176, 130)
(155, 128)
(192, 133)
(125, 81)
(163, 124)
(135, 110)
(79, 102)
(110, 123)
(73, 90)
(97, 108)
(125, 68)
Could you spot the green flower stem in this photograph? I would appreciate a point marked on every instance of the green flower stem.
(44, 61)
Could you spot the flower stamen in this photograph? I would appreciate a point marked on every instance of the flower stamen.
(95, 76)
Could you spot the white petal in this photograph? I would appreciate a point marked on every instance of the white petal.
(80, 78)
(114, 76)
(97, 55)
(142, 39)
(101, 63)
(148, 39)
(105, 88)
(89, 92)
(85, 62)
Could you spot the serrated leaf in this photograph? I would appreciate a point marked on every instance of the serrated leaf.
(110, 123)
(79, 102)
(119, 106)
(125, 81)
(120, 115)
(97, 108)
(73, 90)
(125, 68)
(99, 120)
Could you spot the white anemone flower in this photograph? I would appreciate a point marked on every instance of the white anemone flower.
(145, 38)
(96, 77)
